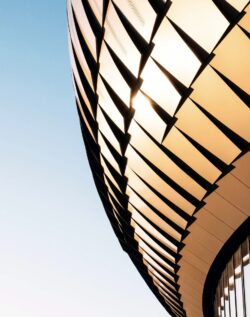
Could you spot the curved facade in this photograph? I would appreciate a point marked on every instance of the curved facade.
(162, 90)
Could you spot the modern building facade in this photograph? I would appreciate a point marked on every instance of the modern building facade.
(162, 91)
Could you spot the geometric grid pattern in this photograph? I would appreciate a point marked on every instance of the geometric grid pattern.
(163, 106)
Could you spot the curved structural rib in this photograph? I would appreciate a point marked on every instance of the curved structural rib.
(162, 90)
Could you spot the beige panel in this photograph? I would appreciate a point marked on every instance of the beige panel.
(78, 50)
(245, 21)
(213, 225)
(201, 13)
(224, 211)
(155, 265)
(84, 118)
(165, 289)
(177, 143)
(149, 228)
(147, 117)
(190, 294)
(165, 294)
(138, 203)
(196, 124)
(106, 130)
(107, 172)
(186, 267)
(115, 214)
(193, 300)
(97, 7)
(142, 20)
(238, 4)
(112, 75)
(242, 169)
(111, 202)
(200, 238)
(111, 192)
(174, 55)
(233, 112)
(119, 40)
(153, 153)
(106, 153)
(196, 260)
(149, 196)
(135, 163)
(193, 310)
(190, 272)
(108, 105)
(83, 65)
(85, 26)
(79, 83)
(232, 58)
(159, 88)
(160, 277)
(235, 192)
(146, 249)
(173, 306)
(203, 237)
(141, 234)
(191, 283)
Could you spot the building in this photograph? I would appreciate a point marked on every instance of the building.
(162, 90)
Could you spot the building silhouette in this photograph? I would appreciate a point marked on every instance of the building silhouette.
(162, 91)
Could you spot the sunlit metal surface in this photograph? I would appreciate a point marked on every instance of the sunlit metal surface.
(162, 90)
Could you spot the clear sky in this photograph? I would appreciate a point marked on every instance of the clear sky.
(58, 254)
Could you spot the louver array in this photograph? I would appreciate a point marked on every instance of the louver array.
(162, 90)
(232, 297)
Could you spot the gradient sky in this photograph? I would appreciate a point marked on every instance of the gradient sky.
(58, 253)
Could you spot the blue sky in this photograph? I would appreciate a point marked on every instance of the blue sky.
(58, 254)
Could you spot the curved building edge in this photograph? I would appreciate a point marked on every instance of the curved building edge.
(170, 216)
